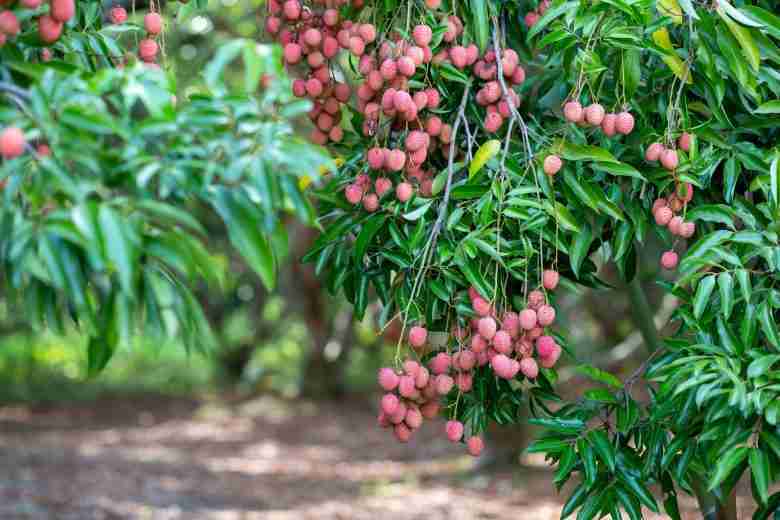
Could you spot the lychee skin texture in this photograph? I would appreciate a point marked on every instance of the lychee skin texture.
(454, 430)
(528, 319)
(624, 123)
(403, 191)
(549, 361)
(353, 193)
(406, 387)
(371, 202)
(550, 279)
(669, 260)
(669, 159)
(422, 35)
(430, 409)
(688, 229)
(502, 342)
(480, 306)
(608, 125)
(416, 140)
(444, 384)
(545, 315)
(545, 346)
(535, 299)
(418, 336)
(552, 164)
(684, 142)
(376, 158)
(9, 23)
(62, 10)
(675, 225)
(487, 327)
(440, 363)
(663, 216)
(387, 379)
(118, 15)
(413, 418)
(12, 143)
(529, 368)
(653, 152)
(474, 446)
(153, 23)
(572, 111)
(594, 114)
(389, 403)
(49, 29)
(382, 186)
(402, 433)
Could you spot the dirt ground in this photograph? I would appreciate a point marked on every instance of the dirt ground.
(161, 458)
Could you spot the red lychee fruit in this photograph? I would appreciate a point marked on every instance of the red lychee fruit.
(608, 125)
(406, 66)
(459, 57)
(454, 430)
(624, 123)
(474, 445)
(353, 193)
(414, 418)
(669, 159)
(444, 384)
(550, 279)
(478, 344)
(292, 53)
(572, 111)
(49, 29)
(382, 186)
(535, 299)
(658, 204)
(430, 409)
(502, 342)
(684, 142)
(153, 23)
(528, 319)
(411, 367)
(418, 336)
(549, 361)
(487, 327)
(62, 10)
(416, 140)
(675, 225)
(395, 160)
(402, 432)
(291, 9)
(529, 368)
(663, 215)
(594, 114)
(367, 32)
(375, 158)
(403, 191)
(687, 229)
(389, 403)
(545, 315)
(493, 122)
(12, 143)
(552, 164)
(388, 379)
(653, 152)
(422, 35)
(464, 381)
(530, 19)
(147, 49)
(480, 306)
(371, 202)
(545, 346)
(440, 364)
(406, 387)
(669, 260)
(357, 46)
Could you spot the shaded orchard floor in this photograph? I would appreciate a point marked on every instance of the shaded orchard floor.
(161, 458)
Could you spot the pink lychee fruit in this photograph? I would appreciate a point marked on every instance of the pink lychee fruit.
(454, 430)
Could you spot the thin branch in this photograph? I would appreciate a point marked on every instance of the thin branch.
(514, 114)
(450, 169)
(469, 138)
(17, 95)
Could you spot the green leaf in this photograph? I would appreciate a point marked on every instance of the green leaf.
(576, 499)
(770, 20)
(579, 249)
(120, 250)
(604, 449)
(369, 229)
(743, 36)
(702, 298)
(619, 169)
(599, 375)
(769, 107)
(758, 367)
(638, 489)
(419, 212)
(726, 465)
(574, 152)
(759, 468)
(774, 180)
(768, 325)
(726, 288)
(481, 29)
(743, 277)
(589, 467)
(549, 15)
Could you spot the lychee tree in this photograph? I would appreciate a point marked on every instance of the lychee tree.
(106, 174)
(494, 152)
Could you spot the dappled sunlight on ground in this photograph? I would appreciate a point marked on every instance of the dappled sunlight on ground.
(158, 458)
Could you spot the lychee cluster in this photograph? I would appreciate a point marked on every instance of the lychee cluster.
(490, 95)
(148, 47)
(668, 156)
(533, 16)
(594, 115)
(507, 347)
(312, 38)
(49, 25)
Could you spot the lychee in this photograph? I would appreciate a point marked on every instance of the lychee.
(528, 319)
(550, 279)
(552, 164)
(594, 114)
(572, 111)
(669, 159)
(624, 123)
(12, 143)
(371, 202)
(529, 368)
(474, 445)
(454, 430)
(418, 336)
(653, 152)
(545, 315)
(388, 379)
(487, 327)
(353, 193)
(403, 191)
(153, 23)
(389, 403)
(684, 142)
(669, 260)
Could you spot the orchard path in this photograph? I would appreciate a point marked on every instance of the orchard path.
(159, 458)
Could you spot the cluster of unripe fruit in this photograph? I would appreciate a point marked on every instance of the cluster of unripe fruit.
(153, 24)
(512, 345)
(596, 116)
(50, 25)
(313, 38)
